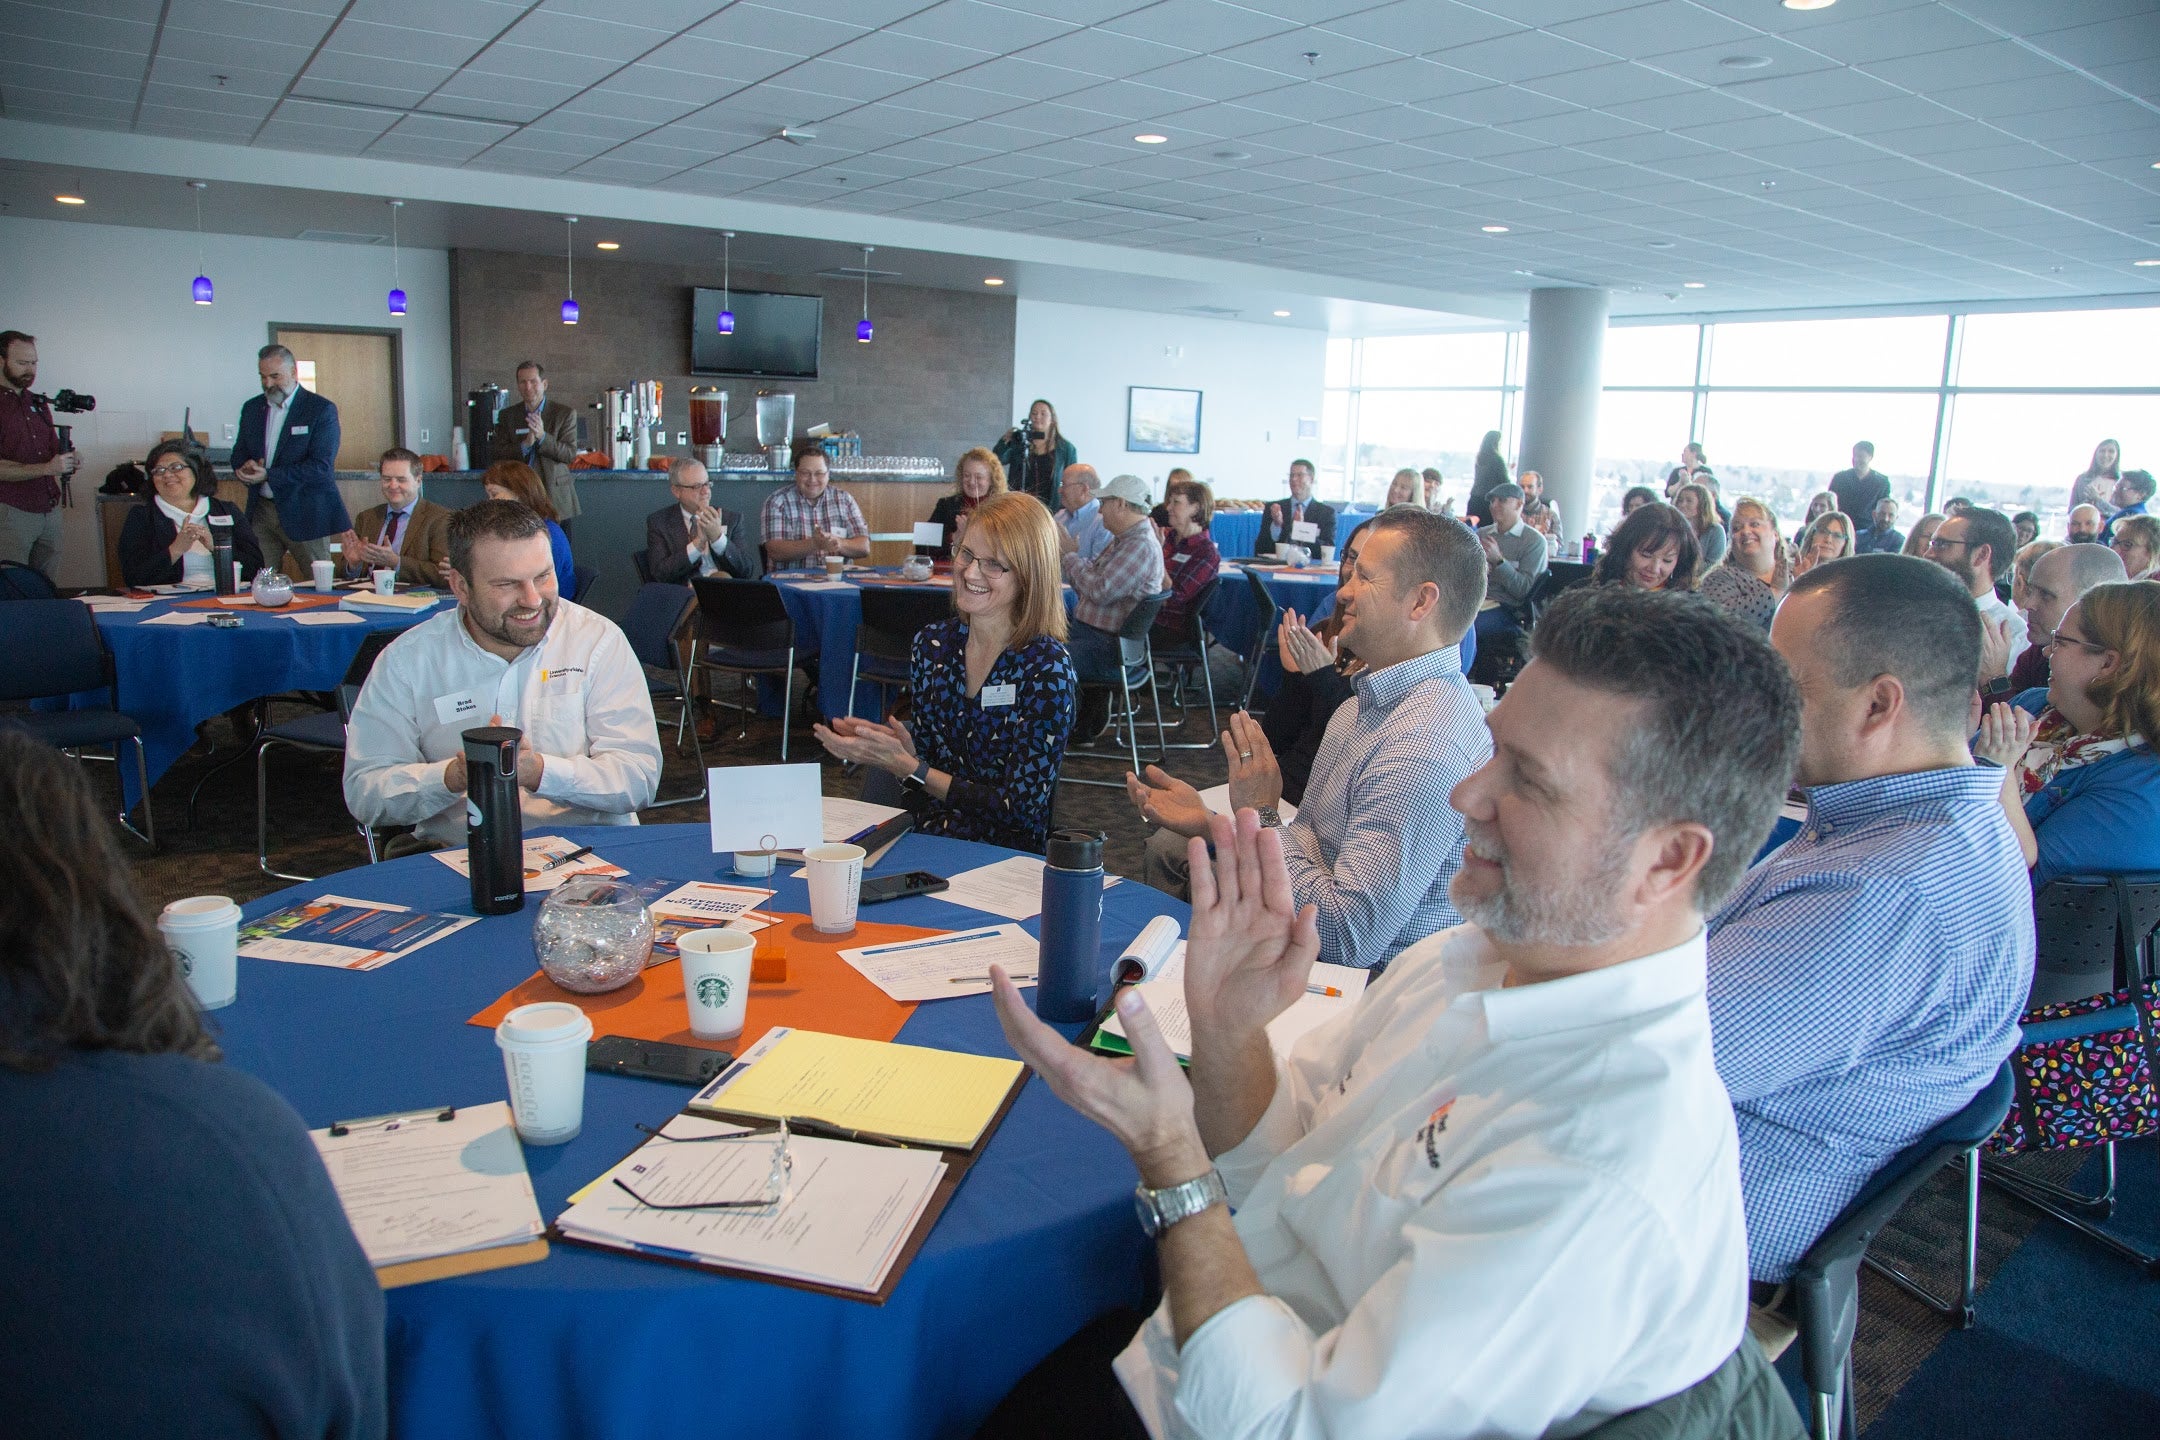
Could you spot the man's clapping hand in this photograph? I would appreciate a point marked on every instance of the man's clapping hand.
(1251, 947)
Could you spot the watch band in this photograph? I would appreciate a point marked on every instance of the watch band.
(1269, 816)
(920, 780)
(1160, 1209)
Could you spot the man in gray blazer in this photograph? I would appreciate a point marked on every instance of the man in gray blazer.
(542, 433)
(691, 536)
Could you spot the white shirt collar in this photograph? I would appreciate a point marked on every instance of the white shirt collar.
(1597, 997)
(181, 517)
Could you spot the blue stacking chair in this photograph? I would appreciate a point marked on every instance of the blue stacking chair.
(51, 649)
(891, 616)
(1265, 612)
(1826, 1282)
(1136, 667)
(1186, 653)
(653, 625)
(744, 630)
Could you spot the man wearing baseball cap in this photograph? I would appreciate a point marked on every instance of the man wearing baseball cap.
(1106, 589)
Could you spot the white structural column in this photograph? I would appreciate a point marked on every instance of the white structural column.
(1561, 381)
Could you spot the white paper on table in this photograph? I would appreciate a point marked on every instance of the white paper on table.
(704, 900)
(115, 604)
(1217, 800)
(1304, 532)
(418, 1187)
(820, 585)
(765, 807)
(1012, 888)
(540, 850)
(845, 819)
(349, 957)
(929, 532)
(180, 617)
(196, 589)
(941, 967)
(1793, 810)
(326, 617)
(849, 1209)
(1165, 997)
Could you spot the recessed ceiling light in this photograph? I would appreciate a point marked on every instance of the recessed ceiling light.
(1151, 138)
(1659, 244)
(607, 245)
(993, 280)
(1691, 284)
(1744, 62)
(1807, 4)
(2145, 264)
(1494, 229)
(1282, 314)
(71, 199)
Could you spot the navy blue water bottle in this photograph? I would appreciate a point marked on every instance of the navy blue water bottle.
(1069, 970)
(494, 820)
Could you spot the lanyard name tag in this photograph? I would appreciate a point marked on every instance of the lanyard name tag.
(298, 430)
(995, 697)
(456, 709)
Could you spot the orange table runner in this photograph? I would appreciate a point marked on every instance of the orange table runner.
(822, 992)
(226, 602)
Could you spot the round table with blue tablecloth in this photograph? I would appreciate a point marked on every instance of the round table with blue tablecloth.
(1039, 1239)
(1235, 532)
(174, 677)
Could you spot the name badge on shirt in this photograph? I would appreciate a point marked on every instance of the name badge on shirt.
(454, 709)
(1304, 532)
(298, 430)
(996, 697)
(1179, 559)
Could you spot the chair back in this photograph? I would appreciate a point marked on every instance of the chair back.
(1196, 633)
(1132, 636)
(650, 623)
(643, 565)
(581, 582)
(2137, 899)
(22, 582)
(891, 614)
(742, 614)
(2074, 924)
(1826, 1282)
(1266, 612)
(52, 647)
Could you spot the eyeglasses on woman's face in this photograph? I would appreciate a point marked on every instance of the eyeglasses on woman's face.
(965, 559)
(2060, 639)
(175, 467)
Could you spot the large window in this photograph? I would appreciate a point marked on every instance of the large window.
(1415, 401)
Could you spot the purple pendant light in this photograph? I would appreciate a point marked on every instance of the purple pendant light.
(569, 304)
(204, 293)
(725, 321)
(863, 330)
(397, 293)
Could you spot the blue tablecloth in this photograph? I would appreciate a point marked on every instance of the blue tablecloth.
(174, 677)
(1039, 1239)
(1235, 532)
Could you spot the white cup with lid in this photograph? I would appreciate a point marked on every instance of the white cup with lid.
(543, 1050)
(203, 932)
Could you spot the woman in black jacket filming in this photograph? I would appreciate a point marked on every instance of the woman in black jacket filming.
(166, 539)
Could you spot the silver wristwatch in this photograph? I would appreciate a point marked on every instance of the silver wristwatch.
(1160, 1209)
(1268, 816)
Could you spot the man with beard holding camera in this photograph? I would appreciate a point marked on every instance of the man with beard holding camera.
(31, 461)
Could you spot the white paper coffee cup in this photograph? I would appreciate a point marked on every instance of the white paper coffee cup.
(754, 863)
(1327, 554)
(834, 874)
(834, 564)
(543, 1050)
(385, 582)
(716, 980)
(325, 575)
(203, 933)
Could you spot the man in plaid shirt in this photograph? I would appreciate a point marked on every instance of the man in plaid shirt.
(810, 520)
(1106, 589)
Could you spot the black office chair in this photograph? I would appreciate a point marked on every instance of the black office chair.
(653, 624)
(1263, 634)
(744, 630)
(319, 732)
(23, 582)
(582, 578)
(891, 616)
(642, 563)
(51, 649)
(1185, 652)
(1136, 667)
(1826, 1283)
(1743, 1396)
(1559, 576)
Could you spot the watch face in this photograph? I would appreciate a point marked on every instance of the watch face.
(1150, 1222)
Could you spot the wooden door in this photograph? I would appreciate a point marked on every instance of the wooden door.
(358, 370)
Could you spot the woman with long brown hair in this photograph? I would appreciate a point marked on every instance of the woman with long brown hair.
(179, 1251)
(515, 480)
(1036, 453)
(1756, 570)
(977, 476)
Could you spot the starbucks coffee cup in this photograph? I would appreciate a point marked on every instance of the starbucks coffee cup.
(543, 1050)
(716, 980)
(203, 933)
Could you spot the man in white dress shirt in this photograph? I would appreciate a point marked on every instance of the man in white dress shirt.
(1501, 1196)
(515, 654)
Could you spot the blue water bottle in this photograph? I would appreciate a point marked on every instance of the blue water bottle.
(1069, 969)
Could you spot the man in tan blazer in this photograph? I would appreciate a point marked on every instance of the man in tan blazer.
(404, 531)
(543, 434)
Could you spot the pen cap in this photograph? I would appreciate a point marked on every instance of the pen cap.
(1075, 850)
(492, 748)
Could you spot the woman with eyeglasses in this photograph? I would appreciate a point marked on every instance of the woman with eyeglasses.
(1829, 536)
(993, 690)
(166, 540)
(976, 477)
(180, 1262)
(2081, 783)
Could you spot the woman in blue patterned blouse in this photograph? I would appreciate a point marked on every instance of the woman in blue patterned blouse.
(994, 690)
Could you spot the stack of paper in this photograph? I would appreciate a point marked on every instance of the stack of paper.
(941, 967)
(361, 600)
(345, 934)
(702, 905)
(418, 1186)
(114, 604)
(871, 1087)
(1330, 990)
(847, 1214)
(1012, 888)
(546, 863)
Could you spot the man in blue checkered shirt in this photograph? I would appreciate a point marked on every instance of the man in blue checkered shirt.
(1866, 977)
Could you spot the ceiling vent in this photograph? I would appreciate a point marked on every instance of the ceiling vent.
(1210, 312)
(343, 237)
(857, 272)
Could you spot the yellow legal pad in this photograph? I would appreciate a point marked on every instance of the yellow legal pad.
(900, 1092)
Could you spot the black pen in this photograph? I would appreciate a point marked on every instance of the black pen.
(818, 1129)
(561, 860)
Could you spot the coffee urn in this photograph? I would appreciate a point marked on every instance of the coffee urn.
(776, 427)
(708, 424)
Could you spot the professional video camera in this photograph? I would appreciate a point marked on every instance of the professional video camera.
(68, 402)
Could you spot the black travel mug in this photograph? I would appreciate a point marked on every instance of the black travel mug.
(494, 820)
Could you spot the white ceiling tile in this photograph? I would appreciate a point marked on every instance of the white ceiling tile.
(217, 51)
(1500, 105)
(1334, 54)
(1694, 108)
(1311, 103)
(2020, 97)
(1642, 30)
(241, 21)
(2138, 77)
(522, 62)
(407, 75)
(1206, 77)
(668, 15)
(585, 35)
(976, 23)
(206, 75)
(89, 60)
(434, 152)
(1604, 86)
(1997, 60)
(1801, 93)
(1524, 55)
(376, 94)
(627, 103)
(1027, 79)
(1431, 28)
(907, 55)
(2128, 37)
(17, 77)
(796, 34)
(471, 19)
(394, 43)
(1200, 26)
(1867, 38)
(98, 32)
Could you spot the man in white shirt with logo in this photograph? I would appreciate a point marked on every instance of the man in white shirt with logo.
(515, 654)
(1501, 1196)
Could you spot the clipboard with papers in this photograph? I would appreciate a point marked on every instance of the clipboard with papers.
(874, 1196)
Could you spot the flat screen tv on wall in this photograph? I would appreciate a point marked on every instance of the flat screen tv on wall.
(775, 336)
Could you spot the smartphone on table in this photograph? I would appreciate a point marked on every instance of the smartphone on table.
(896, 887)
(655, 1059)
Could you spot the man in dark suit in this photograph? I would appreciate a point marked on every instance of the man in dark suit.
(405, 533)
(1277, 528)
(285, 452)
(691, 537)
(542, 433)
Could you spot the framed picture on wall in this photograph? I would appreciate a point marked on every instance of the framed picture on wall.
(1163, 422)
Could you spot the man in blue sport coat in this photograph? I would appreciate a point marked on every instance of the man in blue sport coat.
(285, 452)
